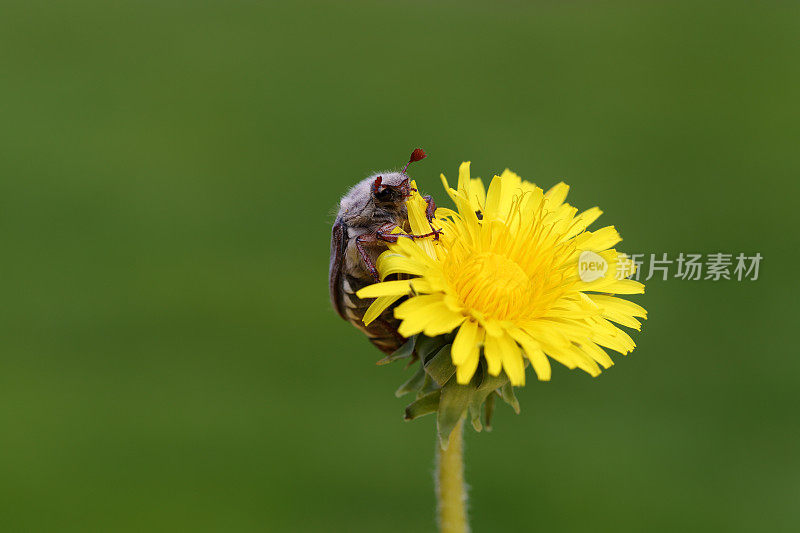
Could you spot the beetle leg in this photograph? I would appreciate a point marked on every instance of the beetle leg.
(431, 209)
(362, 252)
(385, 234)
(435, 234)
(388, 236)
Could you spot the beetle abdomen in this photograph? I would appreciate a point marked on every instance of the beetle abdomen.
(382, 332)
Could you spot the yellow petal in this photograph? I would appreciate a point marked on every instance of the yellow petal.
(466, 341)
(434, 319)
(422, 285)
(463, 177)
(477, 194)
(601, 239)
(571, 357)
(416, 305)
(583, 221)
(492, 327)
(466, 369)
(624, 286)
(619, 310)
(377, 307)
(442, 320)
(534, 353)
(450, 191)
(596, 353)
(556, 195)
(390, 263)
(469, 218)
(618, 305)
(386, 288)
(494, 199)
(513, 363)
(493, 352)
(444, 212)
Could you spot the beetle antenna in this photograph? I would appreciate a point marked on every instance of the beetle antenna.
(376, 185)
(417, 155)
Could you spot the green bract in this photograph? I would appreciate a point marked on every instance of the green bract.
(437, 391)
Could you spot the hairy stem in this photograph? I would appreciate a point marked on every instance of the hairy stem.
(450, 491)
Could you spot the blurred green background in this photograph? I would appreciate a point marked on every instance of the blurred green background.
(169, 360)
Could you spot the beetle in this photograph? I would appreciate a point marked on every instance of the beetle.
(367, 215)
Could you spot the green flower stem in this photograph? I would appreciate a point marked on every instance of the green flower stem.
(450, 491)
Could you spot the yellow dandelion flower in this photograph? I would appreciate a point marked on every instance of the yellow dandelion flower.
(505, 274)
